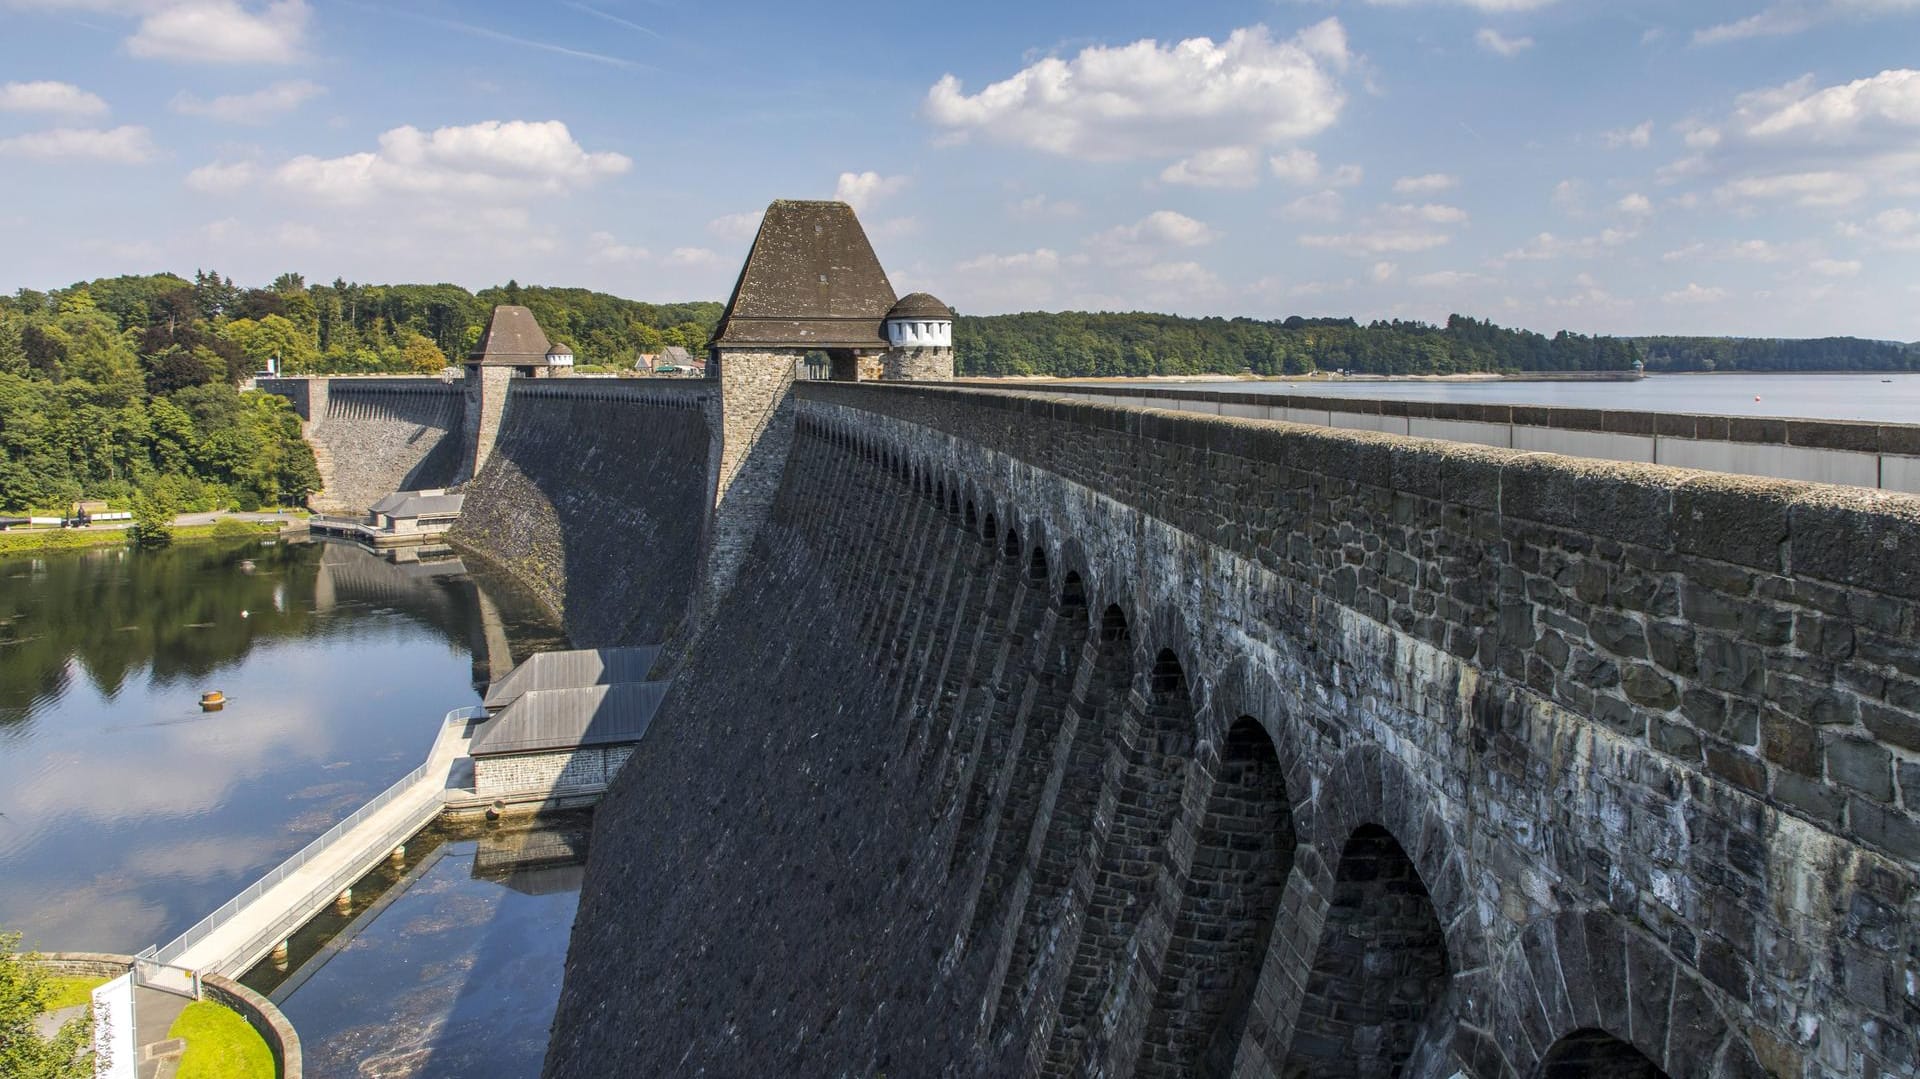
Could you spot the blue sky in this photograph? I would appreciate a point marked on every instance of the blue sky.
(1747, 167)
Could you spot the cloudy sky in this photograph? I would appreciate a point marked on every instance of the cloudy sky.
(1726, 166)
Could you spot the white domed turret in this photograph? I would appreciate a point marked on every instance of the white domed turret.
(920, 321)
(559, 359)
(919, 332)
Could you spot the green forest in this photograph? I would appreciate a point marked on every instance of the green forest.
(1079, 344)
(125, 388)
(1771, 354)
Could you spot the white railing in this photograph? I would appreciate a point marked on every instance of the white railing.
(149, 971)
(200, 930)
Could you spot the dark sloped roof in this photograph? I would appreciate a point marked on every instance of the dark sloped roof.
(513, 337)
(551, 719)
(810, 281)
(920, 305)
(573, 669)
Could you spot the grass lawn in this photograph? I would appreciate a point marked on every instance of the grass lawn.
(69, 539)
(68, 991)
(220, 1044)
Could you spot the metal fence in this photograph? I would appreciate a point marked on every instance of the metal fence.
(149, 971)
(200, 930)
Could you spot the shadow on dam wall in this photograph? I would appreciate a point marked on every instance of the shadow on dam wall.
(1039, 738)
(593, 499)
(377, 436)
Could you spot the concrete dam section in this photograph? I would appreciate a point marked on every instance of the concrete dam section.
(1044, 737)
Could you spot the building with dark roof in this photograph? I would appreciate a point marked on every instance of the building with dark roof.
(811, 281)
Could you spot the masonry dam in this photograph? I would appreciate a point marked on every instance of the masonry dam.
(1016, 735)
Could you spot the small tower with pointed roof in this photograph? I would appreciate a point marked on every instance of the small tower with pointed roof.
(512, 346)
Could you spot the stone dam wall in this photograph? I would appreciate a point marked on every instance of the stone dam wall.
(373, 436)
(594, 498)
(1046, 737)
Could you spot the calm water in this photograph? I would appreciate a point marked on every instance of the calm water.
(126, 813)
(452, 969)
(1882, 398)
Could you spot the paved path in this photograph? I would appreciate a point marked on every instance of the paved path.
(241, 940)
(154, 1014)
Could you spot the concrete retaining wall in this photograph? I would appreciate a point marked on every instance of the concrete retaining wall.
(261, 1014)
(965, 748)
(594, 498)
(1817, 451)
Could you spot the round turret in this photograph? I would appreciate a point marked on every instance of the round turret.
(920, 321)
(559, 356)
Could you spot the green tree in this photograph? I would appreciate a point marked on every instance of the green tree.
(24, 1054)
(153, 514)
(271, 337)
(421, 355)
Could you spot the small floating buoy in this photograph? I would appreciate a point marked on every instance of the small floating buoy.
(246, 565)
(243, 614)
(212, 702)
(1756, 397)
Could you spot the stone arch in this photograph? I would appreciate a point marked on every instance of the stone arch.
(1585, 992)
(1389, 895)
(1243, 852)
(1591, 1053)
(1150, 749)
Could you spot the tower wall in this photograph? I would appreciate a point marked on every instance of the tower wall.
(750, 431)
(486, 395)
(917, 365)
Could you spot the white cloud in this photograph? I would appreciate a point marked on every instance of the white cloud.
(222, 31)
(1446, 279)
(605, 248)
(1835, 267)
(1160, 229)
(1794, 16)
(1635, 205)
(1638, 137)
(1428, 184)
(1324, 206)
(1489, 6)
(1154, 100)
(1826, 187)
(1374, 243)
(1180, 280)
(692, 256)
(1570, 197)
(1295, 166)
(55, 97)
(1431, 213)
(120, 146)
(1889, 101)
(219, 178)
(740, 226)
(862, 189)
(1040, 260)
(1035, 207)
(1695, 294)
(256, 108)
(1227, 166)
(1347, 176)
(1548, 246)
(1500, 44)
(487, 159)
(1895, 230)
(1384, 271)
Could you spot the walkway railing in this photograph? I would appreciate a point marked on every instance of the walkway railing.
(175, 948)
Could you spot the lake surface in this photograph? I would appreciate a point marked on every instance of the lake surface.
(1883, 398)
(126, 813)
(446, 966)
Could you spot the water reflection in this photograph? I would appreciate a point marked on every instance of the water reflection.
(453, 969)
(125, 812)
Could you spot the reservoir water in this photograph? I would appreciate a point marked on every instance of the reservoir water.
(1883, 398)
(126, 813)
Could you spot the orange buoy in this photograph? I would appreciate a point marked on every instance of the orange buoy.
(212, 702)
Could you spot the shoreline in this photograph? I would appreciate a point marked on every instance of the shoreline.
(43, 540)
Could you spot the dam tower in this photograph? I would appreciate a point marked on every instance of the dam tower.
(512, 346)
(919, 340)
(811, 283)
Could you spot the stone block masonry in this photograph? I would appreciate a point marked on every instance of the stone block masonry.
(377, 435)
(1373, 754)
(593, 498)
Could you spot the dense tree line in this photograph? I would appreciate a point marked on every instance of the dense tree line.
(1080, 344)
(1772, 354)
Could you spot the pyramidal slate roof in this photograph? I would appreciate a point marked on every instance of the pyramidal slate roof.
(810, 281)
(513, 337)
